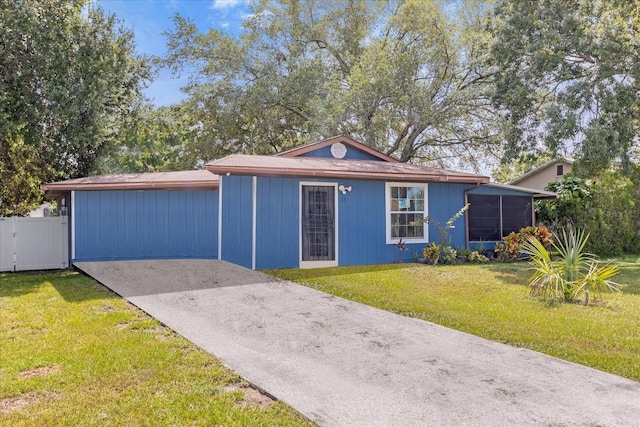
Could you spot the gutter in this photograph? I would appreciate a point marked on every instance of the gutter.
(315, 173)
(132, 186)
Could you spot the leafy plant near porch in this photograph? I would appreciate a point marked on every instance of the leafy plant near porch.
(572, 274)
(431, 253)
(445, 252)
(514, 240)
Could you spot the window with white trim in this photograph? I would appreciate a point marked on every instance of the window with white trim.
(406, 203)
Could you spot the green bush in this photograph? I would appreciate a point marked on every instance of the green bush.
(607, 208)
(475, 256)
(431, 253)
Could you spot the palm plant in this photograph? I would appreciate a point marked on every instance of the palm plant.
(572, 272)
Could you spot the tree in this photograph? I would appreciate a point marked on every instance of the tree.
(69, 76)
(19, 171)
(568, 78)
(508, 171)
(405, 77)
(154, 140)
(607, 207)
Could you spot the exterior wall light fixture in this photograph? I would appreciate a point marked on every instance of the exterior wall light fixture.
(343, 189)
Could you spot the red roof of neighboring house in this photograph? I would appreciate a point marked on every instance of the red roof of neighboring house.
(293, 152)
(317, 167)
(184, 180)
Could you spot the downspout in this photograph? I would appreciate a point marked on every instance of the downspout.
(72, 213)
(466, 214)
(220, 218)
(254, 218)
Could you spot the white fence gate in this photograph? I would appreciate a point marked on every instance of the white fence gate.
(34, 243)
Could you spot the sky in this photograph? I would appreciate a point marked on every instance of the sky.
(150, 18)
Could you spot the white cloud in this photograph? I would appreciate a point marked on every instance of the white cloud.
(226, 4)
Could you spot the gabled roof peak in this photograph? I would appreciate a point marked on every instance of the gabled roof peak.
(533, 171)
(346, 140)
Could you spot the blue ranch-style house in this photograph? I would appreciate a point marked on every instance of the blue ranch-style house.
(333, 202)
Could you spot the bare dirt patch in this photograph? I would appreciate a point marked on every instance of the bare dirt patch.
(17, 403)
(39, 372)
(252, 396)
(104, 309)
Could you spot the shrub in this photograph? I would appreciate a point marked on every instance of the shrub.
(608, 206)
(448, 255)
(431, 253)
(514, 240)
(475, 256)
(464, 252)
(501, 253)
(574, 273)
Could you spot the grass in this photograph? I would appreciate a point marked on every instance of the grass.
(629, 273)
(72, 353)
(493, 302)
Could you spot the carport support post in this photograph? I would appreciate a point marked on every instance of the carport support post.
(254, 216)
(220, 218)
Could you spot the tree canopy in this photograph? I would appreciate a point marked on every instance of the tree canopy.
(444, 83)
(69, 77)
(406, 77)
(568, 78)
(154, 140)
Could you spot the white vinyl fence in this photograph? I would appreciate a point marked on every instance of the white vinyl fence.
(34, 243)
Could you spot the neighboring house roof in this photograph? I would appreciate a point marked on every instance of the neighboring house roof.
(297, 151)
(538, 194)
(540, 168)
(316, 167)
(192, 180)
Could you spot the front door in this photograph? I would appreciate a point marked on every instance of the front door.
(318, 226)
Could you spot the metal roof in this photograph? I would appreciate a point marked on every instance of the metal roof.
(317, 167)
(184, 180)
(538, 194)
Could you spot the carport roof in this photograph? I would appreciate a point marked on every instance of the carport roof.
(182, 180)
(316, 167)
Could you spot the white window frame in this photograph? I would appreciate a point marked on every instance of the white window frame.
(387, 205)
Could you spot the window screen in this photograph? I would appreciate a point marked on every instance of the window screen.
(484, 217)
(516, 213)
(492, 217)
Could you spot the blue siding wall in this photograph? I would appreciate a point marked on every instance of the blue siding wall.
(361, 221)
(150, 224)
(352, 153)
(361, 225)
(278, 223)
(445, 200)
(237, 219)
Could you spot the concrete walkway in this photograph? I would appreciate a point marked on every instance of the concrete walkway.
(342, 363)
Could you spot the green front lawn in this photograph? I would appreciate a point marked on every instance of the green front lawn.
(493, 302)
(72, 353)
(629, 273)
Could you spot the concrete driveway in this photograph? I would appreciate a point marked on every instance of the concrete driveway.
(342, 363)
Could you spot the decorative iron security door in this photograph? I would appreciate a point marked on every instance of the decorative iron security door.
(318, 223)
